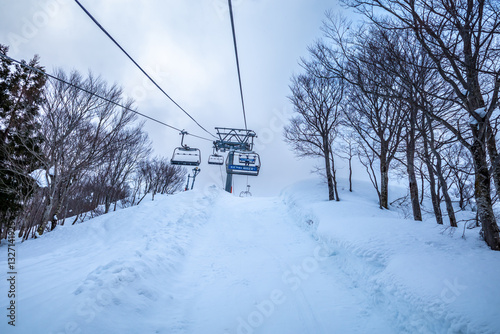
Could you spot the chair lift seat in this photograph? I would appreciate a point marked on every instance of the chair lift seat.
(243, 163)
(183, 156)
(216, 159)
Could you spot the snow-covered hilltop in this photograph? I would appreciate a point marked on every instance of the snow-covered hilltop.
(208, 262)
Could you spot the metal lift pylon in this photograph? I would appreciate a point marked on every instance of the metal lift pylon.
(232, 140)
(229, 183)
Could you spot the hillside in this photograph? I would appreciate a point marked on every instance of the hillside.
(208, 262)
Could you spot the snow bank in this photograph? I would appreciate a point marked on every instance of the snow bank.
(83, 278)
(429, 278)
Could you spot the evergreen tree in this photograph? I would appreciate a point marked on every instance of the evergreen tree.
(20, 97)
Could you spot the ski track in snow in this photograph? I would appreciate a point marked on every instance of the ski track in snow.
(256, 271)
(209, 262)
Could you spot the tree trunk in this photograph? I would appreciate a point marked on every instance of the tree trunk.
(45, 217)
(444, 186)
(410, 167)
(21, 231)
(494, 158)
(334, 178)
(461, 190)
(65, 214)
(447, 199)
(50, 198)
(384, 180)
(436, 203)
(53, 223)
(107, 203)
(483, 193)
(62, 193)
(140, 200)
(329, 177)
(422, 184)
(439, 172)
(350, 173)
(412, 179)
(136, 192)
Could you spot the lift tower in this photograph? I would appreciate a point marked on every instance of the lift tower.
(239, 144)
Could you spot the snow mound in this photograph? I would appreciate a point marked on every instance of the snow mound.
(87, 274)
(426, 276)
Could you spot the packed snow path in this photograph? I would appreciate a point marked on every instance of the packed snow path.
(254, 270)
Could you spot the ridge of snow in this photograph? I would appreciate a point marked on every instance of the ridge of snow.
(430, 280)
(116, 263)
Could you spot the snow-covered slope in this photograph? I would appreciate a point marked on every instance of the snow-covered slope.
(426, 277)
(208, 262)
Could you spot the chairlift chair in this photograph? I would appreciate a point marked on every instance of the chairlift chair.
(215, 159)
(243, 163)
(185, 155)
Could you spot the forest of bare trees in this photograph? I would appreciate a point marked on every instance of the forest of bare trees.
(420, 94)
(68, 150)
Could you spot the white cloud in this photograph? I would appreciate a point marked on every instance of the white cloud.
(187, 46)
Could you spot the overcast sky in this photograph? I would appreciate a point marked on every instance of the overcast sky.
(186, 45)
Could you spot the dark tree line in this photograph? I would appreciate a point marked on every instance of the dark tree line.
(20, 98)
(422, 82)
(66, 152)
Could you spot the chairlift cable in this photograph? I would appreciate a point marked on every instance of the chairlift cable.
(140, 68)
(94, 94)
(237, 62)
(199, 137)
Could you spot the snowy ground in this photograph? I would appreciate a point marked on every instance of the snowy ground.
(208, 262)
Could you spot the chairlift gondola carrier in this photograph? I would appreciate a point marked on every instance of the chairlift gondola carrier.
(185, 155)
(243, 163)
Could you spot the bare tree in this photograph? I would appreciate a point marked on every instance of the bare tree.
(171, 178)
(158, 176)
(317, 99)
(79, 129)
(437, 168)
(377, 118)
(421, 88)
(345, 147)
(130, 146)
(461, 37)
(461, 172)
